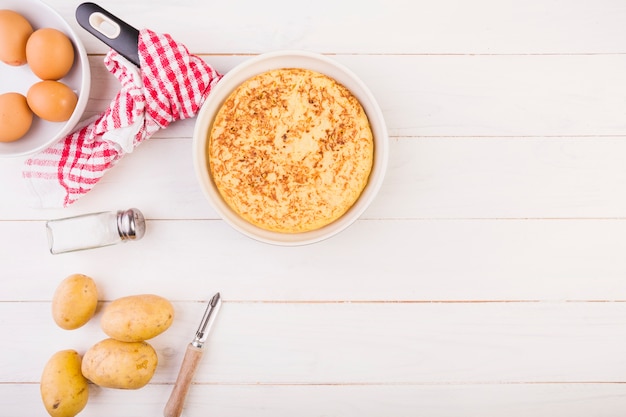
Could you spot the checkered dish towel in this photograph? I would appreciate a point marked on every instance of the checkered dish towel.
(170, 84)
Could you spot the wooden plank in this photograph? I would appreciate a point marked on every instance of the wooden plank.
(390, 27)
(449, 400)
(343, 343)
(427, 178)
(467, 95)
(403, 260)
(504, 178)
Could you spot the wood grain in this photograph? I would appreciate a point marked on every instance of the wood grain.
(383, 27)
(427, 178)
(487, 278)
(352, 343)
(395, 260)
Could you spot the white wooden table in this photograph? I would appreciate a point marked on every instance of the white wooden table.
(488, 278)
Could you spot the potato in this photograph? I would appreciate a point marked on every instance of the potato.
(111, 363)
(64, 389)
(74, 301)
(137, 317)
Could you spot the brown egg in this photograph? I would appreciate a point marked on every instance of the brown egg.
(49, 53)
(14, 33)
(15, 117)
(51, 100)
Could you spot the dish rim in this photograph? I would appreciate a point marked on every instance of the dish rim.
(290, 59)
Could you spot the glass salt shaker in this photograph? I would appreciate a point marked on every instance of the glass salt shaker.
(95, 230)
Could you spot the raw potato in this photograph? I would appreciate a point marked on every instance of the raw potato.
(64, 389)
(137, 317)
(125, 365)
(75, 301)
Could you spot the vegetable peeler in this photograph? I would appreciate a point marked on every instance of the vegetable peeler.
(193, 354)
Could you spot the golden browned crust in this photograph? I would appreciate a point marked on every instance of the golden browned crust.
(290, 150)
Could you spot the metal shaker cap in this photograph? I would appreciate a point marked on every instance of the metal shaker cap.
(131, 224)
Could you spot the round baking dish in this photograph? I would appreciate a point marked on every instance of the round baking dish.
(277, 60)
(19, 79)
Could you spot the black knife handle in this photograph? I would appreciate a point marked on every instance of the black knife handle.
(111, 30)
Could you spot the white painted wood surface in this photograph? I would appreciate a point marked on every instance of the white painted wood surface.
(488, 278)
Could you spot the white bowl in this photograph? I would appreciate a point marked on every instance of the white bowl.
(277, 60)
(19, 79)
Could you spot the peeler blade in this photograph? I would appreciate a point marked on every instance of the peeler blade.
(207, 321)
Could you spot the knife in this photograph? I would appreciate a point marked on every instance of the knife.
(193, 354)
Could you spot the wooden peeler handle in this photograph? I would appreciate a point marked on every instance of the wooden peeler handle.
(174, 406)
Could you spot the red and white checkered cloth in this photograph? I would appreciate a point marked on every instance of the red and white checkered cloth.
(171, 84)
